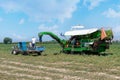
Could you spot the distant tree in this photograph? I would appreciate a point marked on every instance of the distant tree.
(7, 40)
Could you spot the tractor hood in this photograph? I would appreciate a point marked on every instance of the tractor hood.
(80, 32)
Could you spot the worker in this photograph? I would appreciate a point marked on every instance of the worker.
(33, 42)
(77, 43)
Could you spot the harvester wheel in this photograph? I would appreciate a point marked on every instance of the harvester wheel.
(83, 53)
(72, 52)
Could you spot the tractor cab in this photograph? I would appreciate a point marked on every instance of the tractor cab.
(22, 46)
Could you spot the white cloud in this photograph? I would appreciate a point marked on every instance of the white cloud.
(9, 6)
(18, 37)
(21, 21)
(92, 3)
(42, 10)
(53, 28)
(111, 13)
(116, 31)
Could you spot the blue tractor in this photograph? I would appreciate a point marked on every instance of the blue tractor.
(22, 48)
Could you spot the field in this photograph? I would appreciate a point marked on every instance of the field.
(53, 66)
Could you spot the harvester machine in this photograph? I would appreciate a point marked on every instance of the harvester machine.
(83, 40)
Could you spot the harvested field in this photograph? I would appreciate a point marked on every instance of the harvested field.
(59, 67)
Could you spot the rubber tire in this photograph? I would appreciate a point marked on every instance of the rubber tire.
(14, 52)
(24, 53)
(39, 53)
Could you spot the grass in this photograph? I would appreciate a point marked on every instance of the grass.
(62, 66)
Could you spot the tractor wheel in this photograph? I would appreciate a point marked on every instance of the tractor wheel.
(39, 53)
(15, 52)
(24, 53)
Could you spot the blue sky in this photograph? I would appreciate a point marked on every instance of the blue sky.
(23, 19)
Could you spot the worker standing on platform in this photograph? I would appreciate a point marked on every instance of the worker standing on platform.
(33, 42)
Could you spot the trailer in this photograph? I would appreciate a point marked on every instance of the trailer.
(22, 48)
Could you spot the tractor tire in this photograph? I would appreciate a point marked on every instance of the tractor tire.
(39, 53)
(24, 53)
(15, 52)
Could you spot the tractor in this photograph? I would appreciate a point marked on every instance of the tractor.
(22, 48)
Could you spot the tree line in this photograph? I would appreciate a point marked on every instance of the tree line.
(7, 40)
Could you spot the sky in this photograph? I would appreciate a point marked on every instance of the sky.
(23, 19)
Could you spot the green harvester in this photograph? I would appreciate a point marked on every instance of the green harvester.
(83, 40)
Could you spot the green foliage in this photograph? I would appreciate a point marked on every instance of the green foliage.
(7, 40)
(109, 34)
